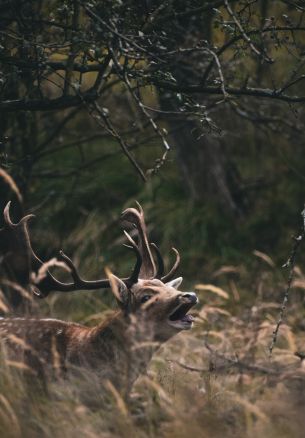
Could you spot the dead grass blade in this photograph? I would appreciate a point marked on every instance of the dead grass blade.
(11, 183)
(3, 306)
(118, 399)
(250, 407)
(214, 289)
(264, 257)
(12, 420)
(19, 365)
(227, 270)
(23, 292)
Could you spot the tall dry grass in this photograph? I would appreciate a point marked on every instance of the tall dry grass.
(214, 381)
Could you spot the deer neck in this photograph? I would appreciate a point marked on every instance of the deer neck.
(120, 346)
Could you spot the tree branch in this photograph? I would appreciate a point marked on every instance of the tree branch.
(47, 104)
(267, 93)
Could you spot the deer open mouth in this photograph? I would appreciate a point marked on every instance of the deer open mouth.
(179, 318)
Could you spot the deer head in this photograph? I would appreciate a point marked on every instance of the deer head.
(157, 306)
(148, 293)
(155, 296)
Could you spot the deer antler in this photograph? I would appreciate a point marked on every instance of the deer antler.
(15, 247)
(160, 271)
(50, 283)
(136, 217)
(133, 278)
(148, 270)
(22, 261)
(29, 270)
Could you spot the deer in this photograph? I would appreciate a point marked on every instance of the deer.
(151, 310)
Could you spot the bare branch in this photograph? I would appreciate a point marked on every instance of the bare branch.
(291, 265)
(244, 34)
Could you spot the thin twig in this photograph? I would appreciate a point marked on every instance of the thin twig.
(125, 148)
(289, 264)
(222, 80)
(139, 103)
(229, 363)
(244, 34)
(236, 363)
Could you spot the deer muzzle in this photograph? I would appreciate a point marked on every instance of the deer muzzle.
(179, 318)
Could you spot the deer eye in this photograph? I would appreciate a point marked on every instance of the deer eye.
(145, 298)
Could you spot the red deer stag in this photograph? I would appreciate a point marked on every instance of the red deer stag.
(152, 310)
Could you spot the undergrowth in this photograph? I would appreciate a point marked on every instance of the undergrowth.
(216, 380)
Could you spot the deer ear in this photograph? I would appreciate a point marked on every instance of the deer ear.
(175, 283)
(119, 290)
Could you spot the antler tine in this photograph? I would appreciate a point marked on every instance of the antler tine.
(160, 269)
(50, 283)
(7, 217)
(136, 217)
(141, 211)
(74, 272)
(16, 252)
(172, 272)
(133, 278)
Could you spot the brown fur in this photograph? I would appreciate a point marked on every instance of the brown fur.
(118, 349)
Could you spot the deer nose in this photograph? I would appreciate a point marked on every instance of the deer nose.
(191, 296)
